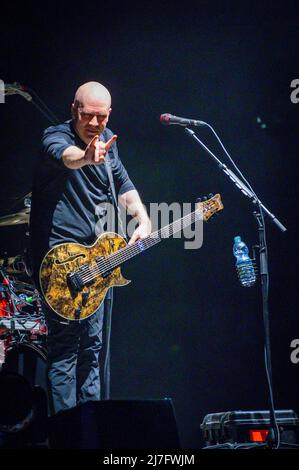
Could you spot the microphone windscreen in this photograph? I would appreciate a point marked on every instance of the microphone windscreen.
(164, 118)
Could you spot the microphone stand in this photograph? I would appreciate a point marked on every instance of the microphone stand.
(273, 437)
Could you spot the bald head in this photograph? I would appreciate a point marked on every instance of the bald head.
(91, 109)
(91, 91)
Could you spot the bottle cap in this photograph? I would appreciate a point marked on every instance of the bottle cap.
(237, 239)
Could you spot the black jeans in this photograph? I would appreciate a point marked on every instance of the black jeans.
(73, 360)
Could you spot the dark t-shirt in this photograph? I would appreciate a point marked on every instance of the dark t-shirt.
(65, 202)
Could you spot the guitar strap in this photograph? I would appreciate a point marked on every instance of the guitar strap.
(109, 296)
(114, 198)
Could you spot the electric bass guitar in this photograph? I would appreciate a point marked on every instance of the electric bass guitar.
(75, 278)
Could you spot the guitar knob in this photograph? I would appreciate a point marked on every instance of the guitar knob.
(198, 199)
(77, 313)
(204, 198)
(210, 195)
(84, 298)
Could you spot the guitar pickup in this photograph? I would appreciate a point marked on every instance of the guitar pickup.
(77, 313)
(74, 282)
(106, 273)
(100, 260)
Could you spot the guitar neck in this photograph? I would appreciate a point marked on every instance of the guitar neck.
(116, 259)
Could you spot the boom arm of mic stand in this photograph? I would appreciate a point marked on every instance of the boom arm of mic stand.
(244, 189)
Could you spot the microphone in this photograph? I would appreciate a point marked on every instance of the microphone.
(168, 119)
(16, 89)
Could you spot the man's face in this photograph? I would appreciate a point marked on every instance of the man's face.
(90, 118)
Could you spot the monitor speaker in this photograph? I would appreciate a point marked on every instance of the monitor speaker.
(116, 424)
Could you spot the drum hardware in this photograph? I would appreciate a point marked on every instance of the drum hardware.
(31, 326)
(2, 352)
(16, 415)
(23, 396)
(14, 264)
(23, 329)
(23, 286)
(21, 354)
(17, 265)
(21, 310)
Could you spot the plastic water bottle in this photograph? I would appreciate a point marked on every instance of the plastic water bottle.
(244, 263)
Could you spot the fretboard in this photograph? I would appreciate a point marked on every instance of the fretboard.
(114, 260)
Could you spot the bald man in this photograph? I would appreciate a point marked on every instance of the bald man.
(70, 182)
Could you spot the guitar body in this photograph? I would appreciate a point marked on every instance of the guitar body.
(66, 258)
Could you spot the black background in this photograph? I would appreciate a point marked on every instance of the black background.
(184, 328)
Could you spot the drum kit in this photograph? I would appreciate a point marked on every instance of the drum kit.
(23, 328)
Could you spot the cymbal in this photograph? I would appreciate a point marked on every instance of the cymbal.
(9, 260)
(21, 217)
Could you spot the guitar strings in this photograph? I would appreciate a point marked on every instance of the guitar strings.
(89, 273)
(155, 237)
(131, 250)
(104, 264)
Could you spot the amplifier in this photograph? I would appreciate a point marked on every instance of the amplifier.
(232, 429)
(116, 424)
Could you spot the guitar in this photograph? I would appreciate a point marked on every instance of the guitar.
(75, 278)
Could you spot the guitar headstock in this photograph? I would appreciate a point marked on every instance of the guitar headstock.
(209, 206)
